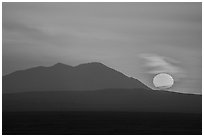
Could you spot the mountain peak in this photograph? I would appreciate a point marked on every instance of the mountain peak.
(91, 64)
(60, 65)
(84, 64)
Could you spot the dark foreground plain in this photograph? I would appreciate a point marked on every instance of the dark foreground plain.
(101, 123)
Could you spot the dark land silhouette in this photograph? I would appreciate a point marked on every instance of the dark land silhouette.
(90, 76)
(93, 99)
(100, 123)
(136, 100)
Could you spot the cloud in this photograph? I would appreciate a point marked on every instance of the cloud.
(37, 35)
(160, 64)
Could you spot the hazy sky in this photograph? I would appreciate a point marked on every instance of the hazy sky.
(137, 39)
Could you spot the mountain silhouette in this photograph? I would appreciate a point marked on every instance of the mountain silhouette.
(89, 76)
(88, 87)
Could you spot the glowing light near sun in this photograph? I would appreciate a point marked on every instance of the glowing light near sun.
(163, 81)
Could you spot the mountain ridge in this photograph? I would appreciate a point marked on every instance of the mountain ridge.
(88, 76)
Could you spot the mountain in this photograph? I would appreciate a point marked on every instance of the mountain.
(128, 100)
(88, 87)
(90, 76)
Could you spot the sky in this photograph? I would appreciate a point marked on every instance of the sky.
(137, 39)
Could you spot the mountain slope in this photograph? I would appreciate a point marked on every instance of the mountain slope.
(133, 100)
(90, 76)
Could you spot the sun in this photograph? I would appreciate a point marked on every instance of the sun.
(163, 81)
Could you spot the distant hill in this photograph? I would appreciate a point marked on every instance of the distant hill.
(90, 76)
(133, 100)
